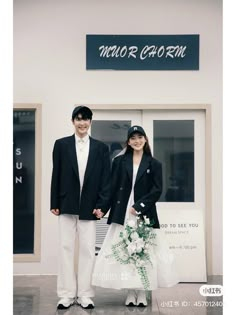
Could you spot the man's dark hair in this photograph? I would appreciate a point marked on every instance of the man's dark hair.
(84, 111)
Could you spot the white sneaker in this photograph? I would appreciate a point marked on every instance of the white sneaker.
(65, 303)
(141, 299)
(85, 302)
(131, 298)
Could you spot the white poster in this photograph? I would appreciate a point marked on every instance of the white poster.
(185, 234)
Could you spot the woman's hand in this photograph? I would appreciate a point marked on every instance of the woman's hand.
(55, 211)
(133, 211)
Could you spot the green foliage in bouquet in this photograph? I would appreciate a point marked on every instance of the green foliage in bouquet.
(133, 248)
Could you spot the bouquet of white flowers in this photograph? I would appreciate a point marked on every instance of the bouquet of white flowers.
(133, 248)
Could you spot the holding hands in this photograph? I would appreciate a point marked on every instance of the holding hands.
(55, 211)
(133, 211)
(98, 213)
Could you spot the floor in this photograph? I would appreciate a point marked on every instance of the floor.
(36, 295)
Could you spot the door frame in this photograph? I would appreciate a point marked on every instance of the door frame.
(208, 155)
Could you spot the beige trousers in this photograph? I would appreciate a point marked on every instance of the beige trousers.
(70, 285)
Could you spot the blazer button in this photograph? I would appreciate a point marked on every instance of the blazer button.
(121, 188)
(118, 201)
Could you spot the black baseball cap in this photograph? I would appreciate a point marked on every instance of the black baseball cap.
(135, 129)
(83, 110)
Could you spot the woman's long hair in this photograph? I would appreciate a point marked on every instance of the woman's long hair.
(146, 148)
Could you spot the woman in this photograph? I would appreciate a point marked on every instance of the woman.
(136, 187)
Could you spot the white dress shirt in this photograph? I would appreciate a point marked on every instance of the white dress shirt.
(82, 152)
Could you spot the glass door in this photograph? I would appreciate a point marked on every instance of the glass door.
(111, 126)
(177, 139)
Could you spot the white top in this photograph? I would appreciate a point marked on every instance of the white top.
(129, 215)
(82, 152)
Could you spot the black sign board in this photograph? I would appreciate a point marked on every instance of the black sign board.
(142, 52)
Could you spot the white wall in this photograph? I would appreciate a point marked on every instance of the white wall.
(50, 68)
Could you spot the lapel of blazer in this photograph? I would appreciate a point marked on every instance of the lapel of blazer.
(128, 160)
(144, 164)
(91, 158)
(73, 156)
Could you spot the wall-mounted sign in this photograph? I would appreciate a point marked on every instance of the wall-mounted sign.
(142, 52)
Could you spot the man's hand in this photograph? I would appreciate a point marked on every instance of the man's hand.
(55, 211)
(98, 213)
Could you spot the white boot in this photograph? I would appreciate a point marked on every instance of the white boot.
(141, 299)
(131, 298)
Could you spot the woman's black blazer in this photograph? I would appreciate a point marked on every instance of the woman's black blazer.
(147, 188)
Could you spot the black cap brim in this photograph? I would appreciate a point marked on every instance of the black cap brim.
(136, 129)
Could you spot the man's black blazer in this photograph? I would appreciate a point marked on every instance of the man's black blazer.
(147, 188)
(65, 183)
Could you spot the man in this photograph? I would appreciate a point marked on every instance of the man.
(80, 189)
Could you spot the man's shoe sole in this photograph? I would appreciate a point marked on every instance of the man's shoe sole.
(63, 307)
(130, 304)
